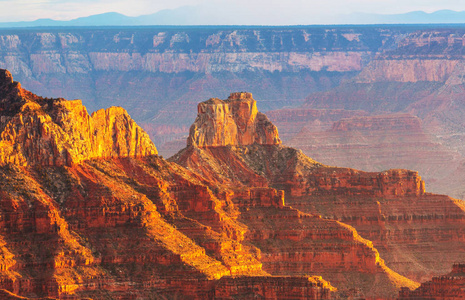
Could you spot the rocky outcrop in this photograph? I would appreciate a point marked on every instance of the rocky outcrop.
(235, 121)
(204, 50)
(57, 132)
(158, 73)
(389, 208)
(445, 287)
(87, 211)
(252, 170)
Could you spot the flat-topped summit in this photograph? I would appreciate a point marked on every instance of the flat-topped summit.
(36, 130)
(234, 121)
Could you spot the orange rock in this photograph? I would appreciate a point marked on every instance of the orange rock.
(390, 208)
(290, 242)
(235, 121)
(86, 210)
(57, 132)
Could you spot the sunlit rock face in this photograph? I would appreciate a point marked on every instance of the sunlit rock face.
(391, 208)
(234, 121)
(242, 164)
(55, 132)
(88, 211)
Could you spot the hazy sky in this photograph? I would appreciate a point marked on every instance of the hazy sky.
(265, 11)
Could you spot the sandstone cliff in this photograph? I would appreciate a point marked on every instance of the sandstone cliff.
(390, 208)
(157, 73)
(285, 242)
(57, 132)
(87, 211)
(235, 121)
(421, 75)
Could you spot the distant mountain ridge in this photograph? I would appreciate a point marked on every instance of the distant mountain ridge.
(413, 17)
(201, 15)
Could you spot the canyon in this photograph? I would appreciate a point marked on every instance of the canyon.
(407, 225)
(450, 286)
(88, 205)
(83, 217)
(159, 74)
(225, 217)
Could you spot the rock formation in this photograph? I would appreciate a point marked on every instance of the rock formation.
(445, 287)
(235, 121)
(88, 211)
(57, 132)
(371, 143)
(158, 73)
(286, 244)
(390, 208)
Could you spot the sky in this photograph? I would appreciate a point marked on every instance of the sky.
(265, 11)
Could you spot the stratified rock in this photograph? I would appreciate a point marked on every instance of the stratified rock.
(274, 288)
(87, 211)
(367, 143)
(58, 132)
(445, 287)
(389, 208)
(235, 121)
(292, 242)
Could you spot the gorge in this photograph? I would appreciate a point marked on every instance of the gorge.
(91, 209)
(214, 222)
(321, 74)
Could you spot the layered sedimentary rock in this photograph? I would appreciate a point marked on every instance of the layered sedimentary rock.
(88, 211)
(290, 241)
(57, 132)
(235, 121)
(274, 288)
(391, 208)
(410, 70)
(377, 142)
(159, 72)
(446, 287)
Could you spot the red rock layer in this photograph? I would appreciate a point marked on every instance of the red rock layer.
(389, 208)
(408, 70)
(367, 143)
(125, 227)
(292, 242)
(42, 131)
(273, 288)
(235, 121)
(446, 287)
(408, 226)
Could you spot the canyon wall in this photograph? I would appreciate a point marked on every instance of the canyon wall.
(391, 209)
(56, 132)
(156, 73)
(446, 287)
(88, 210)
(422, 76)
